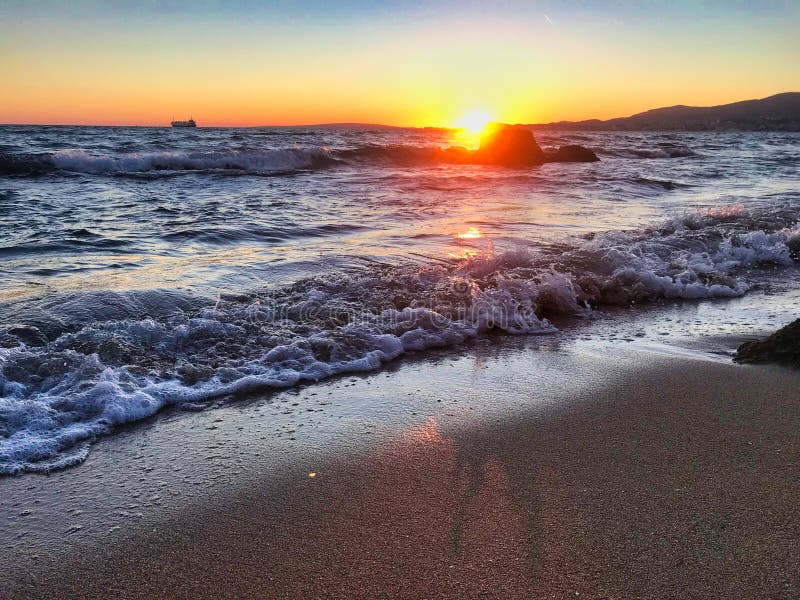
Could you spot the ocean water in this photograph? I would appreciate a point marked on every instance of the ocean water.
(142, 268)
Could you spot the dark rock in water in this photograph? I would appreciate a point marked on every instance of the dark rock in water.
(572, 153)
(782, 347)
(510, 146)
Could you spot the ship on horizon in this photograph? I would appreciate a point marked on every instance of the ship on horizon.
(189, 123)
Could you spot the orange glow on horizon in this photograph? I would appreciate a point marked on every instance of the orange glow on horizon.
(232, 66)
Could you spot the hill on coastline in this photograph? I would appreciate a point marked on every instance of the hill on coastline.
(780, 112)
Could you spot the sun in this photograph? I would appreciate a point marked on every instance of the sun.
(475, 121)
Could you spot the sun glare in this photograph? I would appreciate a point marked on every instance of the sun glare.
(470, 234)
(475, 121)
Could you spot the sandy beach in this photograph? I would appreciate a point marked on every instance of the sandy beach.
(525, 469)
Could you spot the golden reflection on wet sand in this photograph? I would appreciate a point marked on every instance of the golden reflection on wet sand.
(419, 507)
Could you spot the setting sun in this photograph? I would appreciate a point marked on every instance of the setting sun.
(475, 121)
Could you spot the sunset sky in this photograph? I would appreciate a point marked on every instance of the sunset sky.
(399, 63)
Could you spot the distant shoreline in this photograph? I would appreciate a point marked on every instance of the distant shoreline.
(535, 128)
(780, 112)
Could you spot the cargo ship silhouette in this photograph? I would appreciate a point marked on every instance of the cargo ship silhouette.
(189, 123)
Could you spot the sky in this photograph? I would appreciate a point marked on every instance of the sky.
(425, 63)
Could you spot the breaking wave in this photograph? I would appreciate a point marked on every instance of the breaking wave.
(25, 164)
(266, 161)
(81, 161)
(230, 162)
(251, 162)
(65, 380)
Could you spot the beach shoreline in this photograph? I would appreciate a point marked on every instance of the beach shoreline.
(399, 300)
(530, 469)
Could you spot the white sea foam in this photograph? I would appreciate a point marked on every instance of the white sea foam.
(264, 161)
(58, 397)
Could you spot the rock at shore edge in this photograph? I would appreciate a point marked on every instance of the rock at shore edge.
(782, 347)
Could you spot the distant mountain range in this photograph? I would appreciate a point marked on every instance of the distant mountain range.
(780, 112)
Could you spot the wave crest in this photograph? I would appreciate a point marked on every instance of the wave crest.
(59, 390)
(265, 161)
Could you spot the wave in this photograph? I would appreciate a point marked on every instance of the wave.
(266, 161)
(655, 184)
(166, 163)
(393, 154)
(25, 164)
(253, 161)
(662, 152)
(81, 161)
(89, 363)
(232, 235)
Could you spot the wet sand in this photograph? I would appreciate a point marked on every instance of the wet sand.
(598, 474)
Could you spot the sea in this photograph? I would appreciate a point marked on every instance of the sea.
(151, 268)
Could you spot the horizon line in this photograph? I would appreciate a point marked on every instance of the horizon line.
(378, 125)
